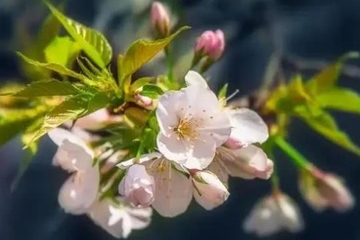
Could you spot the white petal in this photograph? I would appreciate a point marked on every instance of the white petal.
(168, 110)
(219, 170)
(173, 192)
(201, 154)
(94, 120)
(144, 158)
(111, 217)
(172, 147)
(79, 192)
(194, 78)
(209, 191)
(248, 126)
(140, 217)
(58, 135)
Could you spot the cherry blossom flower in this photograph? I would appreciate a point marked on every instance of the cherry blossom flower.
(325, 190)
(248, 162)
(247, 127)
(209, 191)
(79, 192)
(192, 125)
(173, 188)
(211, 44)
(137, 186)
(118, 217)
(273, 214)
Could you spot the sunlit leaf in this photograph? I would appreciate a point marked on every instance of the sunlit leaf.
(61, 50)
(91, 41)
(151, 91)
(48, 88)
(142, 51)
(56, 68)
(328, 77)
(326, 125)
(341, 99)
(70, 109)
(296, 90)
(223, 92)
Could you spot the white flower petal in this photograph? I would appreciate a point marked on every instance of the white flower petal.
(173, 190)
(209, 191)
(119, 219)
(79, 192)
(58, 135)
(137, 186)
(140, 217)
(94, 120)
(201, 154)
(248, 126)
(172, 147)
(219, 170)
(194, 78)
(167, 112)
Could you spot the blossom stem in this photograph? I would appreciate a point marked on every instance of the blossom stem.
(298, 159)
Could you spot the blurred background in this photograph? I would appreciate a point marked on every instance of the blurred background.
(305, 35)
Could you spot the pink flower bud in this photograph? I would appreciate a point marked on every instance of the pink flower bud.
(160, 19)
(146, 102)
(322, 190)
(211, 44)
(138, 186)
(209, 191)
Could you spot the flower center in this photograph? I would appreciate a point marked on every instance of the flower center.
(187, 128)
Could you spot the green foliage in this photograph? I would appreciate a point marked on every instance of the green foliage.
(48, 88)
(151, 91)
(61, 50)
(140, 83)
(56, 68)
(309, 101)
(139, 53)
(91, 41)
(71, 109)
(223, 92)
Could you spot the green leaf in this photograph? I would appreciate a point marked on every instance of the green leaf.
(148, 140)
(326, 125)
(142, 51)
(56, 68)
(15, 121)
(140, 82)
(151, 91)
(341, 99)
(61, 51)
(328, 77)
(71, 109)
(91, 41)
(48, 88)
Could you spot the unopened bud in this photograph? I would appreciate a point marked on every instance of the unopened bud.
(160, 19)
(209, 191)
(323, 190)
(211, 44)
(144, 101)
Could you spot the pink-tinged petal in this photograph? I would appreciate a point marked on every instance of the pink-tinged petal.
(247, 126)
(209, 191)
(172, 147)
(93, 121)
(117, 218)
(137, 186)
(58, 135)
(168, 110)
(248, 162)
(144, 158)
(173, 192)
(140, 217)
(194, 78)
(217, 167)
(80, 191)
(201, 153)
